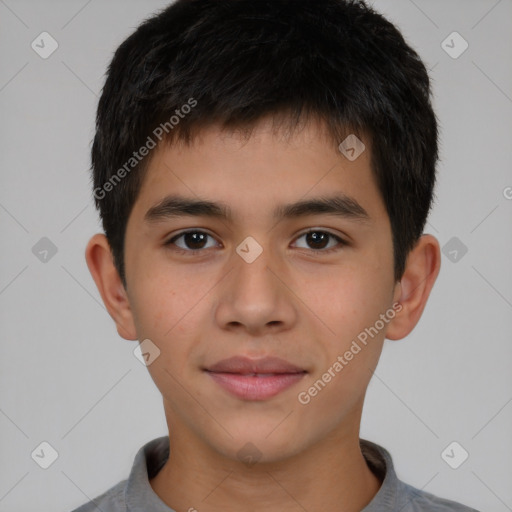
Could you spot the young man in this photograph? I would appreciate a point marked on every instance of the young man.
(264, 171)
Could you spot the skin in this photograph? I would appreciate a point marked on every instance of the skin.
(292, 302)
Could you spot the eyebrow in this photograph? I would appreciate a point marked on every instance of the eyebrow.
(339, 205)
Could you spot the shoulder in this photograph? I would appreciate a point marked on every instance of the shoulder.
(136, 489)
(416, 500)
(112, 500)
(396, 495)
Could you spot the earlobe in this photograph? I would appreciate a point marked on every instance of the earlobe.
(101, 266)
(422, 269)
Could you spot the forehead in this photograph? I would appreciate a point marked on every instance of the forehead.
(248, 174)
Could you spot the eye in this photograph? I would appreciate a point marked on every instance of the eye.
(319, 240)
(191, 241)
(194, 240)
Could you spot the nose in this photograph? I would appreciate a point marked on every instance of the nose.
(255, 298)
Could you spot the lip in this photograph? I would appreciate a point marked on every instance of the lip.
(246, 365)
(255, 379)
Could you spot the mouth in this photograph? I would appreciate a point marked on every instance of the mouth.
(255, 380)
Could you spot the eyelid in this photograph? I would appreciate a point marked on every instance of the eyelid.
(321, 230)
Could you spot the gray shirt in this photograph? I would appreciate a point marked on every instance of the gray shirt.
(135, 494)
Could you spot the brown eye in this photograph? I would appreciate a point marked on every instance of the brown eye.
(191, 240)
(318, 240)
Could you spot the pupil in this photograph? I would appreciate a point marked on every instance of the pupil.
(192, 239)
(316, 238)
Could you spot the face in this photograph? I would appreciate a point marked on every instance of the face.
(264, 281)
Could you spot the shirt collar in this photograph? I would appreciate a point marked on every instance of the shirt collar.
(139, 494)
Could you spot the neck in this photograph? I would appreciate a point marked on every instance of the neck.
(330, 475)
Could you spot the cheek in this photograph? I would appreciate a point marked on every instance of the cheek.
(347, 299)
(163, 298)
(169, 310)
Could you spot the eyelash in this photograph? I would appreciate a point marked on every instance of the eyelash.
(194, 252)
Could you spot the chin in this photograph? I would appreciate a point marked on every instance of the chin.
(254, 445)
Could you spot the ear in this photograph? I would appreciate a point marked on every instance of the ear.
(412, 292)
(101, 266)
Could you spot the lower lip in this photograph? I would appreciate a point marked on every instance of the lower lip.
(250, 387)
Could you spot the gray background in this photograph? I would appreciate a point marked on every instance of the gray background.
(67, 377)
